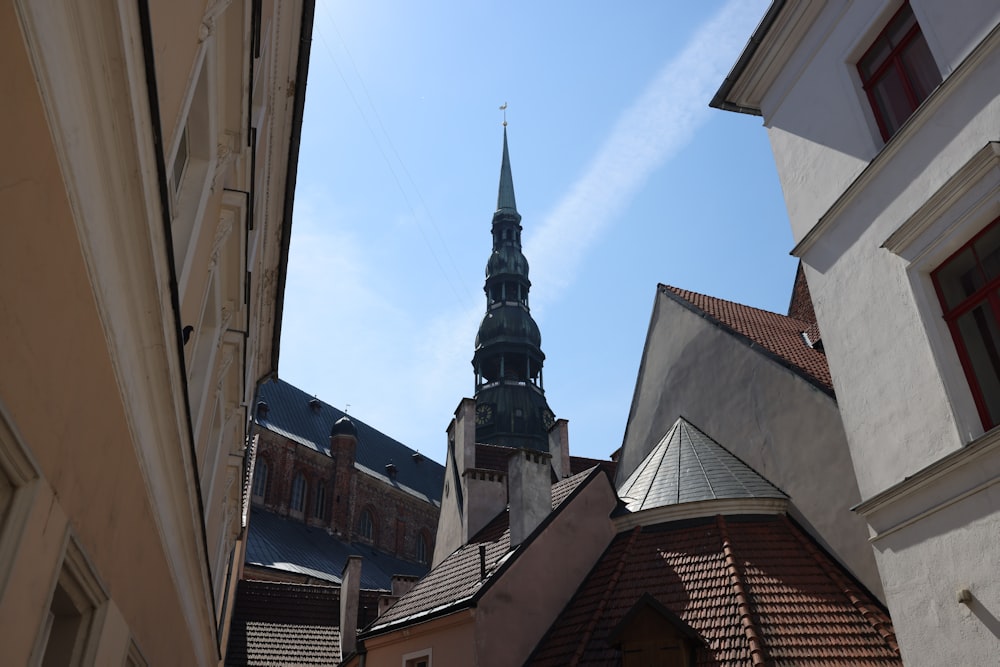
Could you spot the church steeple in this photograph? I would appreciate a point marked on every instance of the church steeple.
(510, 399)
(505, 197)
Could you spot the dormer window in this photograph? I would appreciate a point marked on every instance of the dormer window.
(898, 72)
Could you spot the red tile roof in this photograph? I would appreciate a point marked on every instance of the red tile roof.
(454, 583)
(756, 590)
(778, 335)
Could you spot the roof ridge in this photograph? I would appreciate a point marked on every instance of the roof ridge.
(758, 654)
(599, 610)
(873, 616)
(697, 458)
(673, 289)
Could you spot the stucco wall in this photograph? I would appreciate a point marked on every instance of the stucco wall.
(518, 609)
(781, 425)
(877, 309)
(450, 640)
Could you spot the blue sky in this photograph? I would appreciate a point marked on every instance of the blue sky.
(624, 179)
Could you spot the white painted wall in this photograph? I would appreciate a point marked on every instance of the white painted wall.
(906, 406)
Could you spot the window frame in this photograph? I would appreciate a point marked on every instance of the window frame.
(320, 500)
(894, 59)
(987, 293)
(371, 524)
(260, 480)
(300, 491)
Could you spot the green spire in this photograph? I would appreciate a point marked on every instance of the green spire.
(505, 198)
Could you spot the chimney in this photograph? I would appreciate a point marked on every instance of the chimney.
(529, 491)
(350, 592)
(402, 583)
(559, 448)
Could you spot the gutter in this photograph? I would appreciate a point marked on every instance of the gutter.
(721, 101)
(301, 73)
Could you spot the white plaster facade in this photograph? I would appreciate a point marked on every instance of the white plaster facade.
(871, 219)
(147, 152)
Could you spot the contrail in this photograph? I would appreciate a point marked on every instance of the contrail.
(650, 132)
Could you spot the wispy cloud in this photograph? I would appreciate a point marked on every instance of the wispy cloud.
(658, 124)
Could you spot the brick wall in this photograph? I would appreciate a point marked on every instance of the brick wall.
(400, 518)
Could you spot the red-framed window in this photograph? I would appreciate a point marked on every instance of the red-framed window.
(968, 286)
(898, 71)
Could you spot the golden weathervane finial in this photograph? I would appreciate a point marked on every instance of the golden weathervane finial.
(503, 107)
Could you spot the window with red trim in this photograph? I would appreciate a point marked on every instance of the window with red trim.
(898, 71)
(968, 285)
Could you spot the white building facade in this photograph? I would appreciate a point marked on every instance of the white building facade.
(884, 120)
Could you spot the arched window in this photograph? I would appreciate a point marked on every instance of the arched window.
(298, 492)
(320, 510)
(260, 480)
(421, 547)
(366, 525)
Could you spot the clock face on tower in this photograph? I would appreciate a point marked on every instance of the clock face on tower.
(484, 414)
(548, 419)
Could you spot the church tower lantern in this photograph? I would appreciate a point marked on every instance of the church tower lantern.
(511, 409)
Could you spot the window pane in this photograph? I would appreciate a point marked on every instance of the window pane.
(988, 251)
(980, 334)
(877, 55)
(959, 278)
(920, 68)
(897, 30)
(893, 104)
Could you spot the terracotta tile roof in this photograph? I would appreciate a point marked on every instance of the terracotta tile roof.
(280, 624)
(798, 606)
(304, 419)
(456, 581)
(779, 336)
(688, 466)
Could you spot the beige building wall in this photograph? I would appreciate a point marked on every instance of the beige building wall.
(121, 449)
(449, 640)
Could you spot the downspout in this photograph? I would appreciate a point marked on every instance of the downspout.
(145, 26)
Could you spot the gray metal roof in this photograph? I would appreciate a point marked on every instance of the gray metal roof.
(688, 466)
(505, 196)
(284, 544)
(307, 420)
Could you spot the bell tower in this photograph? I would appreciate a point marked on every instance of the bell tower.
(511, 409)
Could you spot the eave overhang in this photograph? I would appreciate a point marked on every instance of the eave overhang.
(764, 57)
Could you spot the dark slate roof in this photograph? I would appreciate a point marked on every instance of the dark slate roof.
(279, 624)
(800, 607)
(777, 336)
(290, 414)
(276, 623)
(493, 457)
(688, 466)
(578, 464)
(455, 583)
(291, 546)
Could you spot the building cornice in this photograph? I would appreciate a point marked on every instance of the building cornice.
(913, 124)
(770, 47)
(985, 159)
(942, 484)
(700, 509)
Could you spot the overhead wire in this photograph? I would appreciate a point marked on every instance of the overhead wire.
(389, 164)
